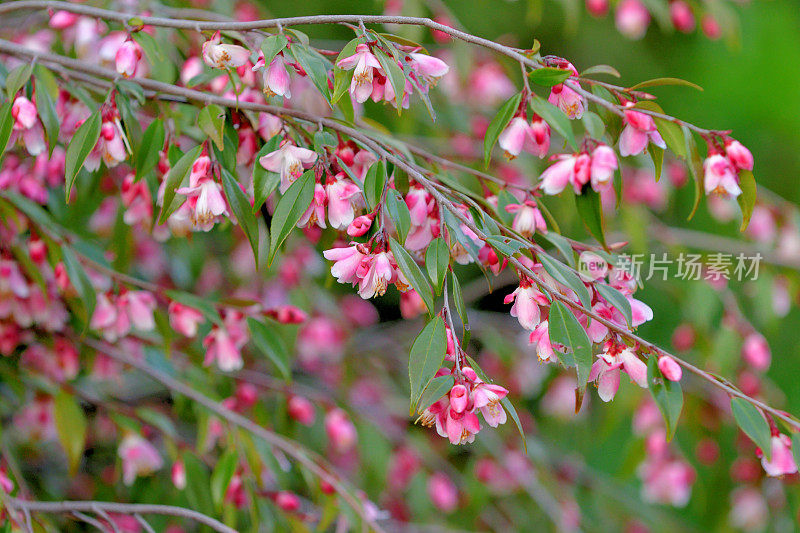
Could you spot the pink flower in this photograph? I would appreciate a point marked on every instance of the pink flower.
(365, 64)
(286, 501)
(519, 135)
(269, 125)
(301, 410)
(442, 492)
(782, 460)
(315, 214)
(639, 129)
(376, 273)
(140, 306)
(220, 347)
(720, 176)
(429, 66)
(26, 123)
(346, 262)
(557, 176)
(632, 19)
(218, 55)
(671, 369)
(205, 198)
(289, 161)
(540, 336)
(528, 219)
(139, 458)
(340, 430)
(184, 319)
(756, 352)
(343, 195)
(527, 300)
(487, 398)
(111, 146)
(567, 99)
(128, 57)
(276, 77)
(604, 163)
(597, 8)
(605, 371)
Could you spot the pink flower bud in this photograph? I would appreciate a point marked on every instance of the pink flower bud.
(459, 398)
(128, 57)
(710, 27)
(301, 410)
(756, 352)
(739, 155)
(179, 475)
(340, 430)
(681, 15)
(671, 370)
(360, 226)
(24, 113)
(632, 19)
(287, 314)
(287, 501)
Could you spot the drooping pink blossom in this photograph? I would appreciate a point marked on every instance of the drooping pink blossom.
(366, 66)
(139, 458)
(639, 129)
(217, 55)
(289, 161)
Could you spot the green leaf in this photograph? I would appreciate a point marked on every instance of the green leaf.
(657, 155)
(795, 447)
(198, 485)
(47, 113)
(271, 46)
(374, 182)
(601, 69)
(152, 142)
(746, 200)
(80, 280)
(16, 79)
(556, 118)
(398, 213)
(222, 475)
(270, 344)
(617, 299)
(667, 394)
(6, 125)
(508, 246)
(264, 181)
(79, 147)
(290, 209)
(395, 75)
(695, 165)
(549, 76)
(315, 66)
(427, 354)
(560, 243)
(413, 273)
(566, 276)
(240, 205)
(436, 388)
(498, 124)
(512, 412)
(211, 121)
(177, 177)
(565, 329)
(658, 82)
(161, 67)
(71, 426)
(461, 307)
(437, 259)
(341, 78)
(591, 212)
(753, 423)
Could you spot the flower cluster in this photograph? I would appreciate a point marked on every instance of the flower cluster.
(455, 414)
(722, 167)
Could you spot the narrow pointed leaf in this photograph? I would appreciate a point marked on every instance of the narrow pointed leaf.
(427, 354)
(290, 209)
(413, 273)
(270, 344)
(746, 200)
(565, 329)
(498, 124)
(80, 145)
(437, 259)
(753, 423)
(177, 176)
(667, 394)
(71, 426)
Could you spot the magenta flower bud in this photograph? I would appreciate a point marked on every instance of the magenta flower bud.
(671, 370)
(178, 475)
(632, 19)
(597, 8)
(341, 431)
(359, 226)
(711, 27)
(459, 398)
(127, 58)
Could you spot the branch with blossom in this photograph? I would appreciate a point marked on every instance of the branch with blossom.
(267, 133)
